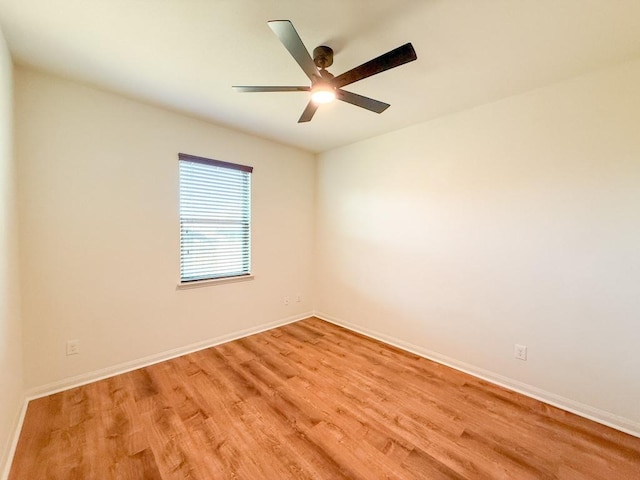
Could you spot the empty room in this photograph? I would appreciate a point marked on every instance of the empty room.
(288, 239)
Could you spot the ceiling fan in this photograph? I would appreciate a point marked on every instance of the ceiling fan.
(324, 86)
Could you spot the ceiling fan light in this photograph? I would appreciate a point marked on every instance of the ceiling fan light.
(323, 94)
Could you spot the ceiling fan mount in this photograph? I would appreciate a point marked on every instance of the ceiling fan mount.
(326, 87)
(323, 57)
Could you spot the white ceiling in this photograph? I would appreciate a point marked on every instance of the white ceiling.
(186, 54)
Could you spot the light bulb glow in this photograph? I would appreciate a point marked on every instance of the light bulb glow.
(323, 94)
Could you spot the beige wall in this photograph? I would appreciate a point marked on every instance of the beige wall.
(514, 222)
(11, 377)
(99, 230)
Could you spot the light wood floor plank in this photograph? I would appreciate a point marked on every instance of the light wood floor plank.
(310, 401)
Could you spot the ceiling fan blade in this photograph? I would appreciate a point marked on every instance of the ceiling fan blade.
(308, 113)
(242, 88)
(292, 42)
(391, 59)
(361, 101)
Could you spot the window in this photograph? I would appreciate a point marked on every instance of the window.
(215, 219)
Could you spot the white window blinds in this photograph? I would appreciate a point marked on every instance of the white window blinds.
(215, 219)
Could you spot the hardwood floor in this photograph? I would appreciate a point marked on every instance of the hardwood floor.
(310, 401)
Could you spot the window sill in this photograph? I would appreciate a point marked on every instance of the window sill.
(214, 281)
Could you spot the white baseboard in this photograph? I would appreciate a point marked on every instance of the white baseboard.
(89, 377)
(17, 428)
(601, 416)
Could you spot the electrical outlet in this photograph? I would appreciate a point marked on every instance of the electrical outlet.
(286, 300)
(520, 352)
(73, 347)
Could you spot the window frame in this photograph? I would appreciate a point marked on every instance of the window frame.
(213, 279)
